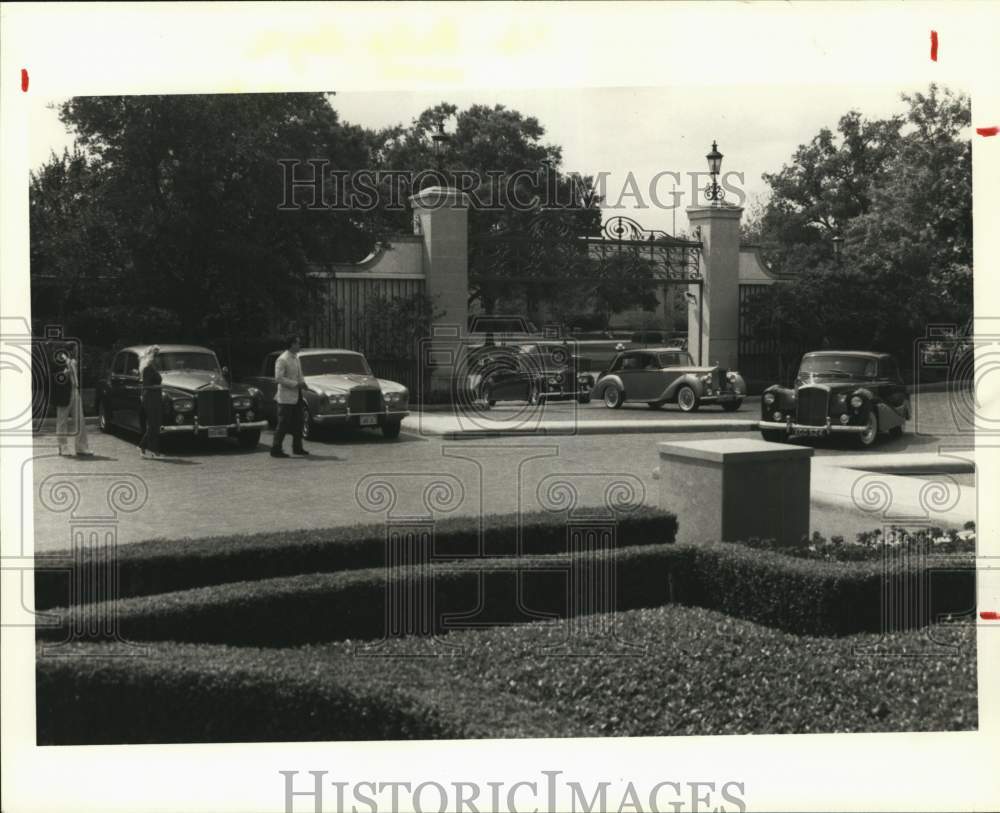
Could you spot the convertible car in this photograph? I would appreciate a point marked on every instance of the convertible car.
(197, 396)
(662, 375)
(536, 372)
(838, 393)
(342, 391)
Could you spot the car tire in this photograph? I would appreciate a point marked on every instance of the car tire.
(249, 440)
(307, 425)
(773, 435)
(869, 437)
(391, 430)
(732, 406)
(104, 419)
(687, 400)
(613, 397)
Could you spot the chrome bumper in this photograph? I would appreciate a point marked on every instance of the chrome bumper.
(817, 431)
(197, 429)
(722, 397)
(352, 417)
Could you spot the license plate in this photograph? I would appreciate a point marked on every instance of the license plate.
(811, 432)
(369, 420)
(219, 432)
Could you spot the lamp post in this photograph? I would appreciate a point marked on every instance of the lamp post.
(713, 191)
(440, 139)
(838, 246)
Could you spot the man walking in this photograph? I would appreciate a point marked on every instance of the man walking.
(288, 377)
(69, 405)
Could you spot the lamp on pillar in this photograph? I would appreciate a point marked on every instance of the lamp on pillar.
(440, 139)
(713, 191)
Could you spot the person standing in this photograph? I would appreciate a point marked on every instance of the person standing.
(69, 405)
(152, 403)
(288, 394)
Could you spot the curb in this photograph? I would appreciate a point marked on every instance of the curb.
(583, 428)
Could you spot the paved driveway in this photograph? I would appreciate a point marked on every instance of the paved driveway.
(210, 489)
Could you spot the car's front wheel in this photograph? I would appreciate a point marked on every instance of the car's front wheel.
(104, 419)
(391, 430)
(869, 436)
(613, 397)
(249, 440)
(687, 400)
(307, 426)
(732, 406)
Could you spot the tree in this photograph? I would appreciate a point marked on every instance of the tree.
(519, 252)
(906, 218)
(192, 186)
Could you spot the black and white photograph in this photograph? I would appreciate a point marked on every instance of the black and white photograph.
(462, 414)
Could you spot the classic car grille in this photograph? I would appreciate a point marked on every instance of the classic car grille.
(365, 401)
(214, 408)
(812, 407)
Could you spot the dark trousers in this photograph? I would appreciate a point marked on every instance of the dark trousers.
(289, 423)
(153, 408)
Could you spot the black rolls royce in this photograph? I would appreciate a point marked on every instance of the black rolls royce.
(198, 398)
(838, 393)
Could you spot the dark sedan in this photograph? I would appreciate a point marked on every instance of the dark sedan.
(535, 372)
(854, 393)
(197, 396)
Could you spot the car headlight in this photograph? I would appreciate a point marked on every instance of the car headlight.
(857, 401)
(706, 378)
(241, 402)
(778, 416)
(253, 392)
(183, 405)
(338, 399)
(768, 398)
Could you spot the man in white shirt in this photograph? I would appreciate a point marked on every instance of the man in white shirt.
(288, 377)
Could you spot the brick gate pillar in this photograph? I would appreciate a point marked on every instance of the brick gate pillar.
(441, 218)
(714, 317)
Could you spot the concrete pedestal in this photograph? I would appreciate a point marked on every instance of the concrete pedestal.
(735, 489)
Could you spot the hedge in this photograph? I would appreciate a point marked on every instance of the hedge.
(689, 671)
(804, 597)
(159, 566)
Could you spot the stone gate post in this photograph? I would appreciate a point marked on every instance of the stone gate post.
(441, 218)
(713, 318)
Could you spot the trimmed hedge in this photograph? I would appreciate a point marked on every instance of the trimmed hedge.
(688, 672)
(804, 597)
(160, 566)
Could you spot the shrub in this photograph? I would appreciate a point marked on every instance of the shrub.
(684, 671)
(804, 597)
(160, 566)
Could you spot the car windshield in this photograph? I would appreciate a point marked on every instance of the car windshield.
(169, 362)
(844, 366)
(334, 364)
(675, 360)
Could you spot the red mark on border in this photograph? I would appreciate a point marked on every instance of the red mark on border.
(24, 80)
(934, 46)
(988, 131)
(990, 615)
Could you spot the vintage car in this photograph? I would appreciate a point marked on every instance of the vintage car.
(341, 392)
(662, 375)
(198, 398)
(838, 393)
(536, 372)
